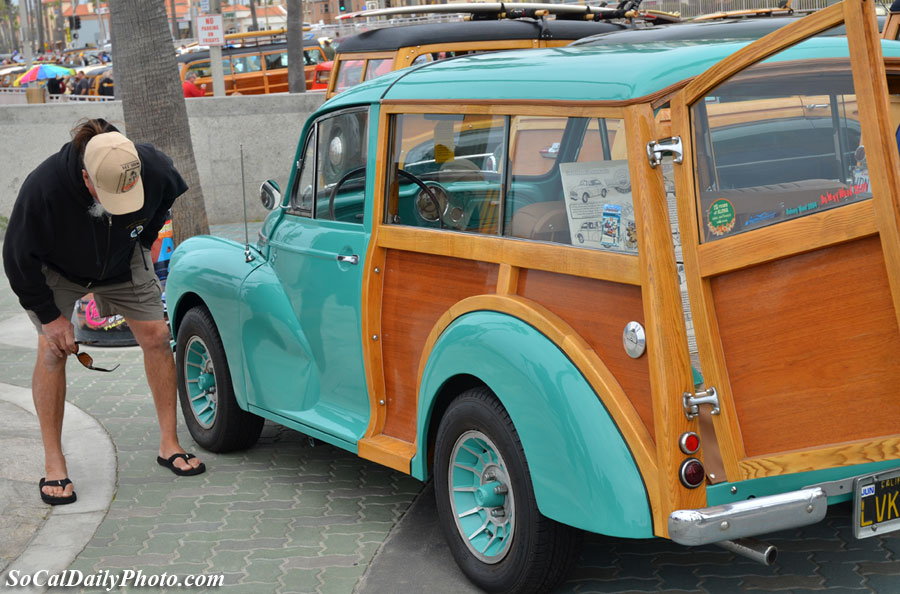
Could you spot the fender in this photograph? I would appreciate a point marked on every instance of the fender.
(213, 270)
(582, 471)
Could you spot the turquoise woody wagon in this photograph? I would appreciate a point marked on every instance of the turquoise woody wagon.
(714, 361)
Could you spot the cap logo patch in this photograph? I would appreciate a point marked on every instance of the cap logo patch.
(130, 175)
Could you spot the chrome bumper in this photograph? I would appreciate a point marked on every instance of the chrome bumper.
(751, 517)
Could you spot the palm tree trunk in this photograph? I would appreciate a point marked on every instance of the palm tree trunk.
(255, 24)
(152, 99)
(174, 20)
(39, 18)
(296, 73)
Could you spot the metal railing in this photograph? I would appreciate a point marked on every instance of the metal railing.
(19, 96)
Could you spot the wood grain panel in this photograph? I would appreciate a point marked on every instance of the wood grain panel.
(598, 311)
(418, 289)
(811, 345)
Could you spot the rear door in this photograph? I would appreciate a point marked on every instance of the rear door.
(788, 206)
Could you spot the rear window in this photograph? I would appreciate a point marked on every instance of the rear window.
(777, 142)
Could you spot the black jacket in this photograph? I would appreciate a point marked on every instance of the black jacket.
(50, 225)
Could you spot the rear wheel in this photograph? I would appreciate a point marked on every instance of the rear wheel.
(486, 504)
(212, 414)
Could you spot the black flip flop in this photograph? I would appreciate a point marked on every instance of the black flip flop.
(170, 464)
(50, 499)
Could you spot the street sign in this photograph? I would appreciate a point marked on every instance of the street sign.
(204, 6)
(210, 30)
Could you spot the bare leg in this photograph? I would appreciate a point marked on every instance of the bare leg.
(48, 389)
(160, 368)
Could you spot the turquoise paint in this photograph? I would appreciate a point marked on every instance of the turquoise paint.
(213, 268)
(772, 485)
(573, 73)
(582, 471)
(309, 430)
(486, 495)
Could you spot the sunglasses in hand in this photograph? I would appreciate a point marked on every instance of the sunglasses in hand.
(88, 361)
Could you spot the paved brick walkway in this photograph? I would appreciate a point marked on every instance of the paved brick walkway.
(290, 515)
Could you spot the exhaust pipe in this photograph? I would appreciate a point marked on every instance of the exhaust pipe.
(751, 548)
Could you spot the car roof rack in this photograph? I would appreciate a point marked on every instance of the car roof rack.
(476, 11)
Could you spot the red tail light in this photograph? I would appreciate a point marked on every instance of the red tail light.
(691, 473)
(689, 442)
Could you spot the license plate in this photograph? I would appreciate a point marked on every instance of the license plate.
(876, 504)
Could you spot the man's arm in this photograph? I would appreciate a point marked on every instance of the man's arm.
(173, 187)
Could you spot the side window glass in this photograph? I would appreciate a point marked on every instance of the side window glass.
(378, 67)
(589, 203)
(311, 57)
(778, 141)
(276, 61)
(447, 172)
(341, 187)
(244, 64)
(302, 199)
(349, 74)
(201, 68)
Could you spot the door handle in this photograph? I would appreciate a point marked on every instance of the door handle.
(351, 259)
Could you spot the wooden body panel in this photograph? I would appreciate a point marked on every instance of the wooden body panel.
(418, 289)
(601, 324)
(811, 346)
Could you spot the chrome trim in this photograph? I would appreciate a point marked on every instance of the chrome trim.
(751, 517)
(351, 259)
(656, 148)
(692, 402)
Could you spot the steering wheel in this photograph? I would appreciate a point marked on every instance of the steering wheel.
(334, 189)
(353, 172)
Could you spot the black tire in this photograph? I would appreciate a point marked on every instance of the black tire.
(222, 426)
(536, 552)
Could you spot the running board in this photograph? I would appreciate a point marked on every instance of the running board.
(387, 451)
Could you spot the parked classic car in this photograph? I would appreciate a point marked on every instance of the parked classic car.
(683, 372)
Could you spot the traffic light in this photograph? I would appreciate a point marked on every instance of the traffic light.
(341, 6)
(71, 23)
(78, 22)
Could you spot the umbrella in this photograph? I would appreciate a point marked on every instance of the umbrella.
(42, 71)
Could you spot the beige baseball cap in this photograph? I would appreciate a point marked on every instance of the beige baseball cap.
(112, 163)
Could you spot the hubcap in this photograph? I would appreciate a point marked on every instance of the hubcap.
(481, 498)
(200, 380)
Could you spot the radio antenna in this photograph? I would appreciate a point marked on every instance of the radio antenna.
(248, 256)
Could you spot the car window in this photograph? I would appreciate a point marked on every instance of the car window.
(340, 187)
(311, 57)
(349, 74)
(303, 196)
(202, 68)
(584, 197)
(779, 140)
(244, 64)
(446, 171)
(378, 67)
(276, 61)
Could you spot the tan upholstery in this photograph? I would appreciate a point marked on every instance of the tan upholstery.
(543, 221)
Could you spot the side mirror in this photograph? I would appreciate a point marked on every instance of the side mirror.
(270, 195)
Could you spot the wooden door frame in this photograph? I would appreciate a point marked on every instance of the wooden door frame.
(880, 215)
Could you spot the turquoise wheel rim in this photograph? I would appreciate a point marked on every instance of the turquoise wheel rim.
(481, 498)
(200, 381)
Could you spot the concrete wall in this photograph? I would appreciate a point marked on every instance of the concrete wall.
(269, 127)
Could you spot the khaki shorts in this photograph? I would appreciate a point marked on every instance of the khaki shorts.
(138, 299)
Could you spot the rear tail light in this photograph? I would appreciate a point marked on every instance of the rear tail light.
(689, 442)
(691, 473)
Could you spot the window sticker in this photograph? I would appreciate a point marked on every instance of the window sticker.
(599, 205)
(720, 218)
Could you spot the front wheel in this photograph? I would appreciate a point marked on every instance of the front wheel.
(486, 504)
(212, 414)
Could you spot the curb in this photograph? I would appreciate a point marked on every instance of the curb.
(91, 459)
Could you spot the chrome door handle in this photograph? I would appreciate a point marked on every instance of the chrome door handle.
(351, 259)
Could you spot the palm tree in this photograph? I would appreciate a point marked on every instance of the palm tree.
(255, 24)
(296, 72)
(152, 99)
